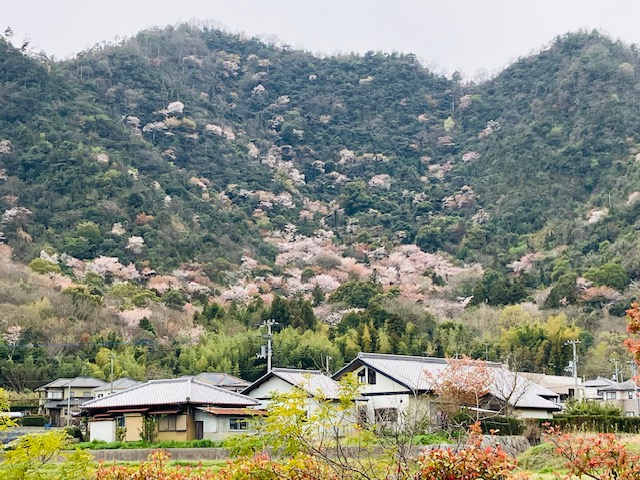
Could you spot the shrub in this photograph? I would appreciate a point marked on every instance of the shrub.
(469, 463)
(591, 407)
(598, 423)
(31, 454)
(34, 421)
(497, 425)
(74, 432)
(595, 456)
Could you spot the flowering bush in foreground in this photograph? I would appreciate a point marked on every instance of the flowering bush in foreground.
(260, 467)
(156, 468)
(473, 461)
(601, 456)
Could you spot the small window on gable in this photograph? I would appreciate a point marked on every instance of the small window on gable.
(362, 375)
(371, 377)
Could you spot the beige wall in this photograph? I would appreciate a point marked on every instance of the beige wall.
(133, 424)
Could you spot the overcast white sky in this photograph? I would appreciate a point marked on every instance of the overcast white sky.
(464, 35)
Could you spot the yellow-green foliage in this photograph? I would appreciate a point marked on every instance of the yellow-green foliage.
(40, 265)
(5, 422)
(32, 454)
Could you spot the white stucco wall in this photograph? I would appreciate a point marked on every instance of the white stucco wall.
(262, 393)
(216, 427)
(532, 413)
(104, 430)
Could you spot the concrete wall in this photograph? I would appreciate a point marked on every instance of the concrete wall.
(532, 413)
(512, 444)
(104, 430)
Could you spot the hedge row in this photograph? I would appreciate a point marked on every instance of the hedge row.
(497, 425)
(34, 421)
(596, 423)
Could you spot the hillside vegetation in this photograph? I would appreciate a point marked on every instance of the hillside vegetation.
(189, 184)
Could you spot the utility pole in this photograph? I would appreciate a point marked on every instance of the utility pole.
(328, 366)
(69, 407)
(574, 364)
(615, 362)
(267, 352)
(111, 357)
(634, 373)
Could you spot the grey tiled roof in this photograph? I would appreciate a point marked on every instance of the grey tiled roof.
(599, 382)
(221, 379)
(624, 386)
(171, 392)
(77, 382)
(119, 384)
(419, 375)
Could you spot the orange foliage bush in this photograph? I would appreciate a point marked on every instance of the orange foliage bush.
(155, 468)
(600, 456)
(260, 467)
(472, 462)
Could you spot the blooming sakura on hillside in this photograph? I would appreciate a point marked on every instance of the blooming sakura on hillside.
(405, 267)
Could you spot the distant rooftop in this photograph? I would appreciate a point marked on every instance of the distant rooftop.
(77, 382)
(119, 384)
(220, 379)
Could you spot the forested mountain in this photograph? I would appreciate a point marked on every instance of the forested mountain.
(190, 167)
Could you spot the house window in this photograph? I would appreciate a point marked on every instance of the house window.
(238, 424)
(120, 422)
(630, 395)
(86, 394)
(167, 424)
(362, 416)
(386, 415)
(610, 395)
(55, 395)
(366, 375)
(629, 414)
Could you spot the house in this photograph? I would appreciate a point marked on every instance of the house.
(318, 387)
(623, 395)
(185, 409)
(398, 389)
(564, 386)
(113, 387)
(60, 400)
(223, 380)
(282, 380)
(593, 388)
